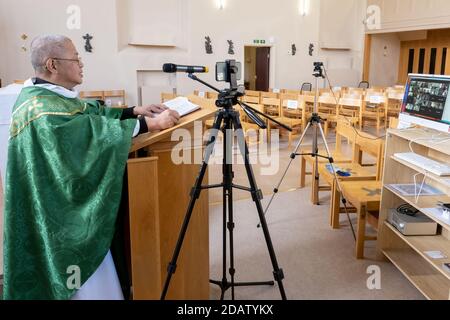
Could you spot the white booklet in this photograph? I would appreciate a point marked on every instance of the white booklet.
(182, 105)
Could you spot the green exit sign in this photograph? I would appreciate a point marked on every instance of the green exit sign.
(259, 41)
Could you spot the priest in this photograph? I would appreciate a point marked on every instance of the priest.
(66, 161)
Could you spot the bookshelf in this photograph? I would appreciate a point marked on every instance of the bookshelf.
(407, 253)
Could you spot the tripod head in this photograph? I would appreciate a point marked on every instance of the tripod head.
(229, 71)
(318, 70)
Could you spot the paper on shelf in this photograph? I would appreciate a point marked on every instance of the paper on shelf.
(435, 254)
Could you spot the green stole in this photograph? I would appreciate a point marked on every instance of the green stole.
(66, 161)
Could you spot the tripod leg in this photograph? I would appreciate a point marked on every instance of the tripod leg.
(315, 173)
(228, 181)
(338, 183)
(257, 196)
(195, 194)
(293, 155)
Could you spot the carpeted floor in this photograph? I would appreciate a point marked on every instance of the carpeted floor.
(318, 262)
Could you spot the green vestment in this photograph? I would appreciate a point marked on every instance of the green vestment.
(64, 179)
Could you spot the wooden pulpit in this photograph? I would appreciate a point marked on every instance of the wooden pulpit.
(159, 193)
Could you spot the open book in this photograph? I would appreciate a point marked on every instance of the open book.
(182, 105)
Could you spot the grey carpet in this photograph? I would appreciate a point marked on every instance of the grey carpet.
(318, 262)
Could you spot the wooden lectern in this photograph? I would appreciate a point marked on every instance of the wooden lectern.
(159, 193)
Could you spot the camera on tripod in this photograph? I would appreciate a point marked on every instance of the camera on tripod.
(318, 70)
(229, 71)
(226, 71)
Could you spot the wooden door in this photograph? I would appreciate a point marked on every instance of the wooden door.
(262, 68)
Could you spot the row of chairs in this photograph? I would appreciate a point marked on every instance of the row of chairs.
(367, 106)
(113, 98)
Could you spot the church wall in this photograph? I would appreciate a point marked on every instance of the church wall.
(179, 37)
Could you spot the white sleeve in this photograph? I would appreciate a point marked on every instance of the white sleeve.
(136, 129)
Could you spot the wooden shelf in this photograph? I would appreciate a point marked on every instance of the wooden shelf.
(422, 244)
(425, 202)
(430, 283)
(422, 137)
(442, 180)
(407, 253)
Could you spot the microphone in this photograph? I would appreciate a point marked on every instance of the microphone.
(171, 68)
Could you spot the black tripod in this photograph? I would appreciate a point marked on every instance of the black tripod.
(227, 120)
(314, 123)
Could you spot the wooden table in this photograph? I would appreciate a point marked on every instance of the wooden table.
(365, 196)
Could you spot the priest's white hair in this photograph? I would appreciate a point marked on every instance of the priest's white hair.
(46, 46)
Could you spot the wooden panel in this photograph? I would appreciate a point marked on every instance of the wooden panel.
(144, 228)
(191, 281)
(367, 50)
(435, 39)
(429, 282)
(416, 59)
(159, 193)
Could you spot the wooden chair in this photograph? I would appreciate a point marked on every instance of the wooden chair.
(349, 106)
(343, 130)
(167, 96)
(250, 99)
(394, 103)
(271, 106)
(327, 108)
(365, 196)
(201, 94)
(212, 95)
(376, 89)
(293, 115)
(309, 93)
(116, 97)
(373, 108)
(204, 103)
(364, 144)
(252, 93)
(355, 91)
(94, 95)
(289, 91)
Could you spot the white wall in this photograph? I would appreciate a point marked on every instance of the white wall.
(342, 39)
(406, 15)
(384, 62)
(114, 64)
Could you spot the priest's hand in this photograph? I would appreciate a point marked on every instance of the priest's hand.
(162, 121)
(149, 111)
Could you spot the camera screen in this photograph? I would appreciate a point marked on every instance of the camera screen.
(222, 72)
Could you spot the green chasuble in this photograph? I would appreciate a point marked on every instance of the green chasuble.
(64, 181)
